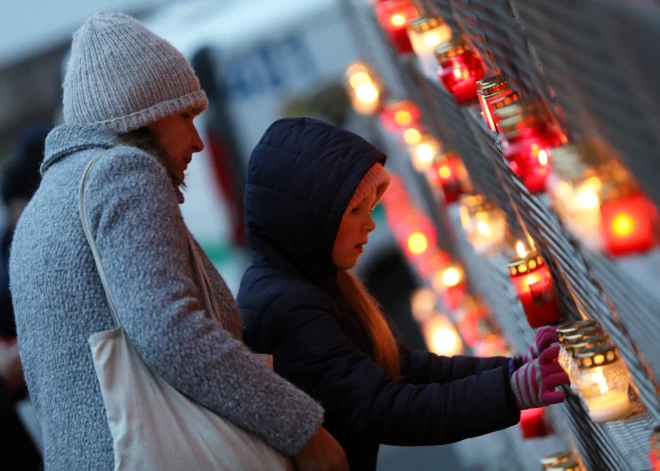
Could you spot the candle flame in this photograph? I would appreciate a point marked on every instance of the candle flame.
(403, 118)
(543, 157)
(599, 377)
(417, 243)
(451, 276)
(412, 136)
(520, 249)
(483, 228)
(623, 225)
(367, 93)
(398, 20)
(457, 72)
(444, 172)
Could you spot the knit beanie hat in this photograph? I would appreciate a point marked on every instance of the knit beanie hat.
(122, 76)
(377, 177)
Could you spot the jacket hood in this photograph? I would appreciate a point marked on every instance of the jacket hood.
(301, 177)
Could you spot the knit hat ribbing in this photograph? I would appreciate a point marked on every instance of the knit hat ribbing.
(124, 77)
(377, 177)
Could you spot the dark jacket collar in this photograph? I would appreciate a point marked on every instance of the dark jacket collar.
(301, 177)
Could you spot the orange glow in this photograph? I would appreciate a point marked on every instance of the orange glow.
(417, 243)
(444, 172)
(623, 225)
(412, 136)
(441, 336)
(520, 249)
(398, 20)
(403, 118)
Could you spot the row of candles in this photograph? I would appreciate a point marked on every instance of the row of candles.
(604, 209)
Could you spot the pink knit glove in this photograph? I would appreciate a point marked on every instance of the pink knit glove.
(545, 337)
(534, 383)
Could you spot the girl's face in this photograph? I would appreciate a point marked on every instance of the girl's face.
(353, 232)
(178, 139)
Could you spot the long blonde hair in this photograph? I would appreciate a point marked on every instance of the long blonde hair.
(385, 350)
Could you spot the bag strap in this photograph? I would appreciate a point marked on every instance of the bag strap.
(198, 264)
(90, 238)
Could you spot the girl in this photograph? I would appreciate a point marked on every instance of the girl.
(130, 99)
(310, 190)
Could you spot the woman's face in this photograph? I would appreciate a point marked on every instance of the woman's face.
(178, 139)
(353, 233)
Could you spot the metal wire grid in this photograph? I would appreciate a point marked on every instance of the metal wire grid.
(600, 97)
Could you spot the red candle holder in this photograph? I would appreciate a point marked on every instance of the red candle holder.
(488, 91)
(459, 70)
(450, 282)
(629, 221)
(654, 453)
(400, 116)
(447, 174)
(532, 423)
(533, 283)
(436, 261)
(416, 235)
(394, 17)
(473, 322)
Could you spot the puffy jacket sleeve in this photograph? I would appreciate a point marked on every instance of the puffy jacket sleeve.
(140, 233)
(311, 351)
(421, 366)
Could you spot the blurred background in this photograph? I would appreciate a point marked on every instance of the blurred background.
(258, 60)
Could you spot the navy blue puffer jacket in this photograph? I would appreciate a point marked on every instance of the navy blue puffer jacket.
(301, 177)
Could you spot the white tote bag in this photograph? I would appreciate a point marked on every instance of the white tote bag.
(153, 426)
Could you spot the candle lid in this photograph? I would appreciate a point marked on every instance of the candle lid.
(507, 106)
(492, 85)
(556, 458)
(600, 355)
(573, 326)
(530, 117)
(587, 342)
(570, 465)
(425, 23)
(520, 265)
(450, 49)
(579, 334)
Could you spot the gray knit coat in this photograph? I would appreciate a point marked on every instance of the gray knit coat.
(59, 302)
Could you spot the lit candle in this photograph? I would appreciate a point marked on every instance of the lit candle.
(554, 459)
(425, 35)
(483, 222)
(629, 219)
(441, 336)
(424, 152)
(400, 116)
(604, 382)
(459, 70)
(394, 17)
(489, 90)
(363, 88)
(451, 284)
(504, 108)
(473, 322)
(532, 423)
(574, 346)
(448, 174)
(423, 303)
(533, 283)
(416, 234)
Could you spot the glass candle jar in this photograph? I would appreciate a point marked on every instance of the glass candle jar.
(425, 152)
(604, 382)
(459, 69)
(629, 219)
(488, 91)
(565, 332)
(447, 174)
(394, 17)
(533, 283)
(364, 88)
(504, 108)
(483, 222)
(572, 349)
(427, 33)
(554, 459)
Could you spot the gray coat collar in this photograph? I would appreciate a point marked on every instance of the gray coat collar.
(69, 138)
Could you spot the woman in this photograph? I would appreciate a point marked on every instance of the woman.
(310, 191)
(131, 97)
